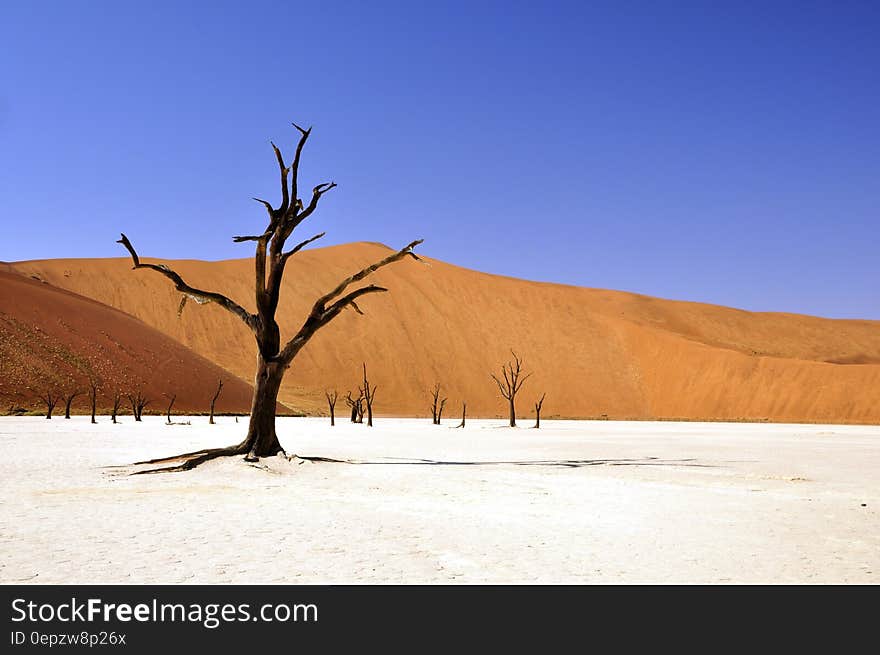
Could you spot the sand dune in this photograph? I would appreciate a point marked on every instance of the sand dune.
(594, 352)
(51, 339)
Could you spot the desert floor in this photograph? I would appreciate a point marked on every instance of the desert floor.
(573, 502)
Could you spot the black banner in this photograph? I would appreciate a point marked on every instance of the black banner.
(231, 618)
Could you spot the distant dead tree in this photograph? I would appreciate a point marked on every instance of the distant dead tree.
(138, 402)
(357, 407)
(68, 400)
(463, 415)
(93, 396)
(117, 401)
(331, 402)
(538, 406)
(214, 399)
(512, 383)
(270, 259)
(171, 398)
(437, 404)
(369, 394)
(50, 400)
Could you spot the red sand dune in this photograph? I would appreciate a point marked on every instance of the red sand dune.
(594, 352)
(54, 340)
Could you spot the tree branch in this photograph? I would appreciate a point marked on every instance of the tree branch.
(321, 315)
(273, 287)
(285, 194)
(198, 295)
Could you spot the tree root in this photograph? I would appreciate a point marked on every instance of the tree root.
(189, 460)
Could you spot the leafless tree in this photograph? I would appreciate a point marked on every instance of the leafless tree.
(93, 396)
(357, 407)
(50, 399)
(68, 400)
(437, 404)
(369, 394)
(463, 415)
(331, 401)
(214, 399)
(538, 406)
(512, 382)
(138, 403)
(270, 259)
(171, 400)
(117, 401)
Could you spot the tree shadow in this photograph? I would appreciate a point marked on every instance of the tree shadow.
(555, 463)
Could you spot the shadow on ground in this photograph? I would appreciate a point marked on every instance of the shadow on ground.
(562, 463)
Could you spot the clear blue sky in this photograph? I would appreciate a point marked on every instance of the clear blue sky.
(726, 152)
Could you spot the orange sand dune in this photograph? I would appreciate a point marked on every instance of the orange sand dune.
(54, 340)
(594, 352)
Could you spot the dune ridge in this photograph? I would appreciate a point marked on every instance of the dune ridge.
(596, 353)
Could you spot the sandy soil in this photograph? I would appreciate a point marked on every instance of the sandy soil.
(54, 340)
(576, 502)
(592, 351)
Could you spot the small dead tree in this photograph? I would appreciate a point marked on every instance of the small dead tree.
(331, 402)
(138, 403)
(538, 406)
(369, 394)
(437, 404)
(463, 415)
(274, 356)
(171, 398)
(93, 397)
(513, 379)
(68, 401)
(357, 407)
(117, 401)
(50, 400)
(214, 399)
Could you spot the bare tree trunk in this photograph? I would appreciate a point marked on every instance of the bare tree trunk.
(93, 397)
(68, 401)
(369, 394)
(512, 414)
(436, 404)
(331, 401)
(173, 397)
(463, 415)
(214, 400)
(261, 439)
(538, 406)
(50, 401)
(117, 400)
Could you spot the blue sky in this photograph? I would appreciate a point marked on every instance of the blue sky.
(719, 152)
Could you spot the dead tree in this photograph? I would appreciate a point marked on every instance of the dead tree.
(512, 383)
(51, 400)
(171, 398)
(93, 397)
(270, 259)
(138, 403)
(331, 401)
(369, 394)
(463, 414)
(538, 406)
(357, 407)
(117, 401)
(214, 400)
(68, 400)
(437, 404)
